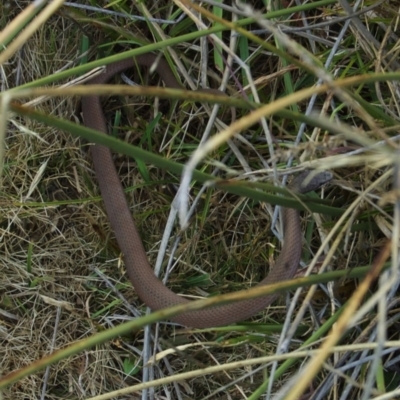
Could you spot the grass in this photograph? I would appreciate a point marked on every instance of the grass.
(71, 325)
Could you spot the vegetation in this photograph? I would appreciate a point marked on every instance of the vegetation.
(313, 86)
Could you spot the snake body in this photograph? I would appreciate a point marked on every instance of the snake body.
(148, 287)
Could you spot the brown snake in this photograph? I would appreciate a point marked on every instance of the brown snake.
(148, 287)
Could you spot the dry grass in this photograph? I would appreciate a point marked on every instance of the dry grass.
(62, 276)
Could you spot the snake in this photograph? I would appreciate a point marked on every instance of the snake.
(147, 285)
